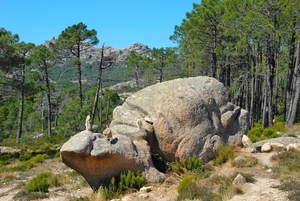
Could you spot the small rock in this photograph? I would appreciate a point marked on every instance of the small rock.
(270, 146)
(146, 189)
(293, 146)
(266, 147)
(239, 180)
(248, 144)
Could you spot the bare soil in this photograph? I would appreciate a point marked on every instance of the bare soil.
(264, 189)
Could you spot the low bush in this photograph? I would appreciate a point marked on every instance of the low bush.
(131, 180)
(257, 133)
(287, 169)
(7, 158)
(126, 181)
(224, 154)
(293, 187)
(40, 183)
(111, 191)
(188, 189)
(192, 163)
(25, 157)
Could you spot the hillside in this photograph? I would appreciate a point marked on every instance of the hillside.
(64, 72)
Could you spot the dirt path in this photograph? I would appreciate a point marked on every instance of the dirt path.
(264, 189)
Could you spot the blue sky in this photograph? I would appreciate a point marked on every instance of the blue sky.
(119, 23)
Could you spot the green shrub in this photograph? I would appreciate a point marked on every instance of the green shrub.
(54, 181)
(111, 191)
(269, 132)
(131, 180)
(287, 161)
(23, 166)
(40, 183)
(257, 133)
(127, 181)
(25, 157)
(188, 189)
(279, 126)
(192, 163)
(224, 153)
(73, 173)
(177, 167)
(40, 158)
(287, 169)
(6, 158)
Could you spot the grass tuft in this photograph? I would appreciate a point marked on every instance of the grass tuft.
(224, 154)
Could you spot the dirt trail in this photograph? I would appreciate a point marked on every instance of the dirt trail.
(264, 189)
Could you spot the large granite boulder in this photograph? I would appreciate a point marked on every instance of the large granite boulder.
(175, 119)
(182, 117)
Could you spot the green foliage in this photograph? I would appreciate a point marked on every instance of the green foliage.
(126, 181)
(28, 161)
(73, 173)
(131, 180)
(287, 161)
(111, 191)
(39, 183)
(287, 169)
(25, 157)
(224, 154)
(257, 133)
(191, 163)
(42, 181)
(188, 189)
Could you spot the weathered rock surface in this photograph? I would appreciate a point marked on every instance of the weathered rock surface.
(175, 119)
(98, 159)
(182, 117)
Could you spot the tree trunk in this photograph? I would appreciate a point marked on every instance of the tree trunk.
(295, 91)
(20, 116)
(79, 76)
(289, 90)
(21, 106)
(98, 90)
(49, 101)
(79, 84)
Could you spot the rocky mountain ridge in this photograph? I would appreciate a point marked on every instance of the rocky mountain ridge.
(93, 53)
